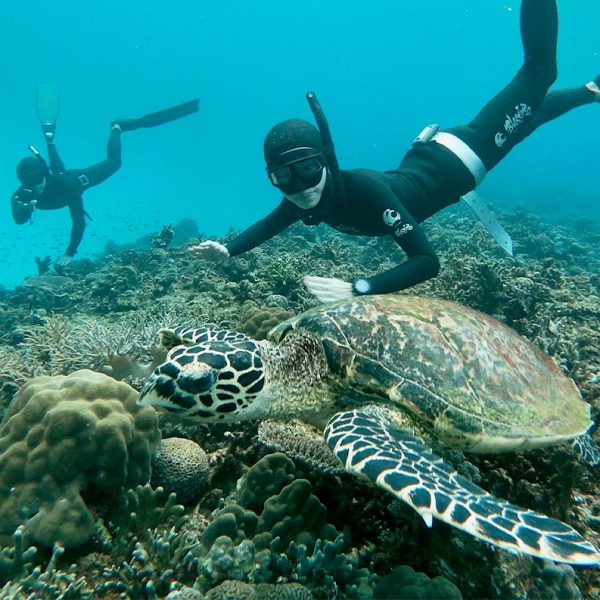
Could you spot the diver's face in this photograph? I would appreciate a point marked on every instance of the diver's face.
(39, 187)
(36, 182)
(310, 197)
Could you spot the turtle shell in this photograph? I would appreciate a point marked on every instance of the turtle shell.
(480, 385)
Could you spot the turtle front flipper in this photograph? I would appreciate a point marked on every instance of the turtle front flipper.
(587, 450)
(402, 464)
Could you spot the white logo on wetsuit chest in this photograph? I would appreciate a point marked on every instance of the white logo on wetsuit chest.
(392, 218)
(512, 123)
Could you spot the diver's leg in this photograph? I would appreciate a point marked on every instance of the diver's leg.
(559, 102)
(103, 170)
(503, 122)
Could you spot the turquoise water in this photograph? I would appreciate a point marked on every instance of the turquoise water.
(382, 70)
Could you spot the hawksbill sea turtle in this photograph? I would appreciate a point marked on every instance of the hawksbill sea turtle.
(386, 375)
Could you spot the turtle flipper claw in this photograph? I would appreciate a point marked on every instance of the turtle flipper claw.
(402, 464)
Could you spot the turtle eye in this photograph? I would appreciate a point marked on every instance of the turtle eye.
(197, 382)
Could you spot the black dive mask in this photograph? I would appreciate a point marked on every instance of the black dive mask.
(299, 175)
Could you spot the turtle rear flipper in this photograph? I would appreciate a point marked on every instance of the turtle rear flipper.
(402, 464)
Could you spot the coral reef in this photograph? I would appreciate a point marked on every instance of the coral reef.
(48, 582)
(61, 434)
(277, 530)
(104, 314)
(43, 264)
(238, 590)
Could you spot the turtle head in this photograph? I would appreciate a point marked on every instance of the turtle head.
(216, 378)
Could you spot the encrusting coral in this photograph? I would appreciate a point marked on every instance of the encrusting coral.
(403, 583)
(61, 434)
(257, 322)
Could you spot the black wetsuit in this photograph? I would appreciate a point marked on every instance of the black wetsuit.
(431, 176)
(66, 187)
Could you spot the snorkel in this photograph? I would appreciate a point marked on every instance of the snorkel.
(37, 154)
(328, 149)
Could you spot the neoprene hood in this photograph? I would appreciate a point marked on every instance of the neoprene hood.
(291, 141)
(31, 171)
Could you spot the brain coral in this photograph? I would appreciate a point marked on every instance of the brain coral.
(181, 467)
(59, 435)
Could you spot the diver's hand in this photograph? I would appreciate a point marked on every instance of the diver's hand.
(210, 250)
(62, 262)
(26, 203)
(328, 289)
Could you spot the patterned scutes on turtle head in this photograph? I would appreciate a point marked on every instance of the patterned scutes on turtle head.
(188, 335)
(211, 375)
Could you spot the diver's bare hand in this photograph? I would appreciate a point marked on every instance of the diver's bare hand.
(62, 262)
(328, 289)
(210, 250)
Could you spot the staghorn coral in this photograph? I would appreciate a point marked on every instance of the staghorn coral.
(149, 546)
(150, 569)
(181, 467)
(15, 370)
(61, 434)
(63, 345)
(135, 512)
(48, 582)
(16, 560)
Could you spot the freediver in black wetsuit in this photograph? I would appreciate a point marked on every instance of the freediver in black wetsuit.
(49, 187)
(440, 167)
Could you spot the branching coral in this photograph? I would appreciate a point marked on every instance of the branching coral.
(16, 560)
(63, 345)
(138, 510)
(48, 582)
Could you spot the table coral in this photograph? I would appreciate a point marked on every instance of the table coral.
(61, 434)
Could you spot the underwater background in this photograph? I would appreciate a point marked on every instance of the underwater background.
(382, 71)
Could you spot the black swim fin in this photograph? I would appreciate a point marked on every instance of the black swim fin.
(160, 117)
